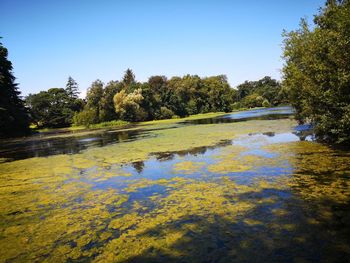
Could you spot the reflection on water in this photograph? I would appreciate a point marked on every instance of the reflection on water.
(165, 156)
(45, 146)
(16, 150)
(255, 191)
(256, 114)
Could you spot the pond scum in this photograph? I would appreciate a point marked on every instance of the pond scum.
(282, 201)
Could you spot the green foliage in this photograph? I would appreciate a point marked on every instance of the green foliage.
(166, 113)
(236, 105)
(92, 109)
(13, 115)
(317, 71)
(127, 106)
(86, 117)
(158, 98)
(94, 95)
(217, 94)
(106, 105)
(265, 103)
(129, 78)
(106, 124)
(254, 93)
(55, 107)
(72, 88)
(252, 101)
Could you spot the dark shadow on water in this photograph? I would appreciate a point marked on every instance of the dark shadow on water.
(273, 231)
(17, 150)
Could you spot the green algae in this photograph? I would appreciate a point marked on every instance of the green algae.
(194, 199)
(51, 212)
(319, 172)
(188, 167)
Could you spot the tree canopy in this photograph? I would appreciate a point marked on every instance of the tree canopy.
(158, 98)
(55, 107)
(317, 71)
(264, 92)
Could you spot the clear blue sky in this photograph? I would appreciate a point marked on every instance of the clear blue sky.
(89, 40)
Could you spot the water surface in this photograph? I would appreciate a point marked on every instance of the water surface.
(244, 187)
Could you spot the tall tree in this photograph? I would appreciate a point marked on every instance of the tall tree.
(129, 78)
(13, 115)
(93, 110)
(106, 104)
(94, 94)
(72, 88)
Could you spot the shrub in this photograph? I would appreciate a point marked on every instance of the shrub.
(266, 103)
(85, 117)
(166, 113)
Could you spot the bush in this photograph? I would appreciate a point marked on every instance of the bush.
(85, 117)
(266, 103)
(236, 106)
(106, 124)
(166, 113)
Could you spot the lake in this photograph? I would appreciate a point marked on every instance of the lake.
(250, 186)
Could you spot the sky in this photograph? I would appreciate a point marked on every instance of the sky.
(88, 40)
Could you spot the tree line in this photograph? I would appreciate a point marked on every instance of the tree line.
(158, 98)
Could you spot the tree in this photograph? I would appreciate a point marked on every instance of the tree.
(219, 94)
(106, 104)
(13, 115)
(52, 108)
(127, 106)
(151, 102)
(267, 87)
(317, 71)
(72, 88)
(94, 96)
(129, 78)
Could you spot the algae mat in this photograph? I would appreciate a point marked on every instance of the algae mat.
(253, 191)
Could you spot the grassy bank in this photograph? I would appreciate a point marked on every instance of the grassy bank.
(119, 124)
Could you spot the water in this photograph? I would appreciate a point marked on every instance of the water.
(256, 114)
(245, 187)
(71, 143)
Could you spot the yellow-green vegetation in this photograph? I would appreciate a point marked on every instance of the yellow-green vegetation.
(191, 117)
(229, 161)
(188, 167)
(109, 124)
(72, 128)
(319, 172)
(72, 208)
(161, 229)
